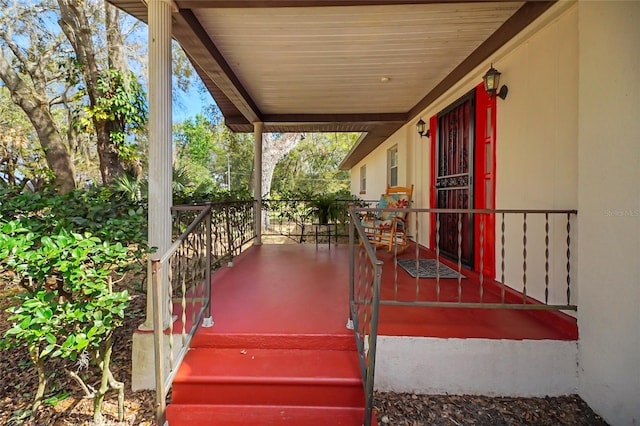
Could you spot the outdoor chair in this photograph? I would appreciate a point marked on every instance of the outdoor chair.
(384, 228)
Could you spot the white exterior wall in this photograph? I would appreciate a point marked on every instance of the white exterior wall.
(536, 153)
(536, 149)
(609, 209)
(568, 137)
(376, 164)
(476, 366)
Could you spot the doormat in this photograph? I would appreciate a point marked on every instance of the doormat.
(427, 268)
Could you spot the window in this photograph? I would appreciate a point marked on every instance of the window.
(363, 179)
(392, 166)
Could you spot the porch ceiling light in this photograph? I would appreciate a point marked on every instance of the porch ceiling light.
(492, 82)
(421, 127)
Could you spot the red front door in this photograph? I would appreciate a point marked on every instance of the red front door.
(454, 178)
(463, 177)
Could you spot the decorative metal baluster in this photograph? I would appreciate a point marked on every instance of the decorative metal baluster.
(170, 300)
(524, 258)
(481, 217)
(459, 258)
(437, 257)
(183, 289)
(546, 258)
(568, 258)
(417, 247)
(395, 271)
(502, 255)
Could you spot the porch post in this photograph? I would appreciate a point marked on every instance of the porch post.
(160, 138)
(258, 126)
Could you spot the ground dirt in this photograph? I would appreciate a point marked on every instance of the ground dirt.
(66, 405)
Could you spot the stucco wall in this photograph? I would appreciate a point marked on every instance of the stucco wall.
(376, 164)
(609, 209)
(536, 152)
(475, 366)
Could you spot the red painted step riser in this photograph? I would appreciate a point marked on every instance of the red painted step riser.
(265, 394)
(212, 415)
(274, 341)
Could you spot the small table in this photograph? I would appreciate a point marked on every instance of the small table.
(326, 232)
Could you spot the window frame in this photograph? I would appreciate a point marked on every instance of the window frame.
(363, 179)
(392, 163)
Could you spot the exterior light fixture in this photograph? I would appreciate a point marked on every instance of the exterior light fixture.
(421, 127)
(492, 82)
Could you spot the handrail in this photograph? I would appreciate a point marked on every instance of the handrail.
(183, 274)
(365, 271)
(533, 295)
(364, 298)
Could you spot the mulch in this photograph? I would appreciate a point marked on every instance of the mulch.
(405, 409)
(67, 406)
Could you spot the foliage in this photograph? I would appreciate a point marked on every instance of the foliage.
(63, 251)
(22, 162)
(326, 208)
(333, 207)
(68, 305)
(210, 159)
(312, 166)
(123, 102)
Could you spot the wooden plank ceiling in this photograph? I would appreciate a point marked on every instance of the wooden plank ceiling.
(329, 65)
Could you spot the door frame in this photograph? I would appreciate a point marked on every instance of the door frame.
(482, 152)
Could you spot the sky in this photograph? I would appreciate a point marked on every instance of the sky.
(189, 104)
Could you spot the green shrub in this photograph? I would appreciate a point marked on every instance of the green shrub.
(63, 251)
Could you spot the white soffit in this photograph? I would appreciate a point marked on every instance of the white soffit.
(319, 60)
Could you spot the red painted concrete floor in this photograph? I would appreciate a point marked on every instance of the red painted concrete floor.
(299, 290)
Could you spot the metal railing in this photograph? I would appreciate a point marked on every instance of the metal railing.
(364, 297)
(296, 219)
(531, 264)
(181, 281)
(533, 248)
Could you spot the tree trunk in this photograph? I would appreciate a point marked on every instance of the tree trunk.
(37, 109)
(110, 165)
(274, 149)
(76, 27)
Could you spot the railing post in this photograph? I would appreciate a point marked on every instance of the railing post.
(352, 268)
(208, 321)
(373, 339)
(158, 337)
(257, 171)
(229, 236)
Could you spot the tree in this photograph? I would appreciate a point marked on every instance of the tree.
(211, 157)
(274, 147)
(66, 65)
(312, 166)
(116, 100)
(28, 74)
(22, 163)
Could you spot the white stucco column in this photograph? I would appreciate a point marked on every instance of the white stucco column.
(160, 138)
(257, 176)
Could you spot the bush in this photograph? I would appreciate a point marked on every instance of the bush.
(63, 251)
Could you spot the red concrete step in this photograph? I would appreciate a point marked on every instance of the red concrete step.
(210, 338)
(243, 415)
(283, 377)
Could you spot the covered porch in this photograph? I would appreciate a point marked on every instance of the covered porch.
(280, 352)
(298, 289)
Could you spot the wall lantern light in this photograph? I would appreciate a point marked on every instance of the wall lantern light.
(421, 127)
(491, 83)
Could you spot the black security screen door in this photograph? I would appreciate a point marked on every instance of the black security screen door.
(454, 177)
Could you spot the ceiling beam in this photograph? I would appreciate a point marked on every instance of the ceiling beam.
(335, 118)
(194, 4)
(195, 41)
